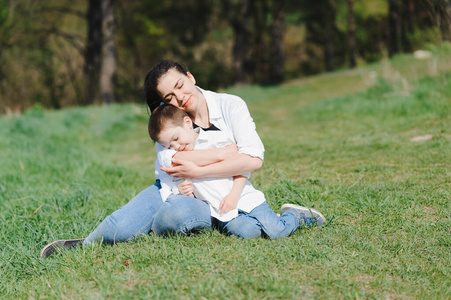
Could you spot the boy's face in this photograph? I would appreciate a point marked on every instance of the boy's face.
(179, 138)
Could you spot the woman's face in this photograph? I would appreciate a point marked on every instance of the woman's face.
(179, 90)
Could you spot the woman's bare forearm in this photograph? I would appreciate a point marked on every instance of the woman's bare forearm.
(238, 164)
(233, 166)
(207, 156)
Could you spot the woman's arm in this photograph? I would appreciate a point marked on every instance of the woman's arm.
(250, 148)
(233, 166)
(207, 156)
(201, 157)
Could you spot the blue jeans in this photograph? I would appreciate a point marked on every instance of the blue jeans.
(146, 211)
(262, 220)
(183, 214)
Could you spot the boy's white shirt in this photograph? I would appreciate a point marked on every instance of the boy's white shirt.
(230, 114)
(213, 190)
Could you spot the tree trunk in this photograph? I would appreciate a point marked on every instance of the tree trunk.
(109, 64)
(241, 27)
(93, 54)
(447, 13)
(330, 34)
(410, 16)
(259, 69)
(351, 34)
(440, 13)
(393, 27)
(276, 59)
(407, 25)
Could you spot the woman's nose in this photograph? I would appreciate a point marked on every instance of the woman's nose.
(179, 96)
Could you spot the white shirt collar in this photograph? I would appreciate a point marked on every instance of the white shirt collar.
(201, 138)
(213, 108)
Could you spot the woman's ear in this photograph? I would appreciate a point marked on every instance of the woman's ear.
(188, 122)
(191, 77)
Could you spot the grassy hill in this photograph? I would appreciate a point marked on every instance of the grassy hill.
(370, 148)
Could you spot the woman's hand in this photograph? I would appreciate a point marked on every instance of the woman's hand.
(229, 151)
(186, 188)
(229, 203)
(183, 169)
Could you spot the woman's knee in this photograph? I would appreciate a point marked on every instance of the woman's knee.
(182, 214)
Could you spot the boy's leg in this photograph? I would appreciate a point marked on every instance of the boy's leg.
(307, 216)
(242, 226)
(273, 225)
(130, 220)
(182, 214)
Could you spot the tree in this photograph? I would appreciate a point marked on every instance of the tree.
(410, 16)
(109, 64)
(277, 33)
(393, 27)
(260, 68)
(320, 40)
(93, 52)
(238, 14)
(351, 34)
(407, 24)
(440, 15)
(331, 13)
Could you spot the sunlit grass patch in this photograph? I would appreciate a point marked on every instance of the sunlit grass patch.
(373, 158)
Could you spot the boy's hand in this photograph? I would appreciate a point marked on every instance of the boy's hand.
(186, 188)
(229, 203)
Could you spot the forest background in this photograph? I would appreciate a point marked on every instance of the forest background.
(57, 54)
(368, 147)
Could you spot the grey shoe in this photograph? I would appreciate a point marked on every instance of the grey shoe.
(307, 216)
(56, 246)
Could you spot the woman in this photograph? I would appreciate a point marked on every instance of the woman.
(169, 82)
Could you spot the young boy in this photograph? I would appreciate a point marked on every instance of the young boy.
(227, 197)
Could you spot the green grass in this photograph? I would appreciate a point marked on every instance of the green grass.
(338, 142)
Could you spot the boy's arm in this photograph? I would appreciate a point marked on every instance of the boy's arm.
(186, 188)
(168, 186)
(230, 201)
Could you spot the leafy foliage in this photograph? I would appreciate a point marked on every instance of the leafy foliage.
(42, 43)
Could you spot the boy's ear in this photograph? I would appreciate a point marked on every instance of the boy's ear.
(188, 121)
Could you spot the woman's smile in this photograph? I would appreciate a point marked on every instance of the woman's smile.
(187, 102)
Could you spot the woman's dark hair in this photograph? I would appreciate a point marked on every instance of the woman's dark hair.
(150, 83)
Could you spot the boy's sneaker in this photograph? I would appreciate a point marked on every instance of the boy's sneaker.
(56, 246)
(308, 216)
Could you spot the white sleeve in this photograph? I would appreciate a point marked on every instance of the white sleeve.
(168, 185)
(164, 155)
(243, 129)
